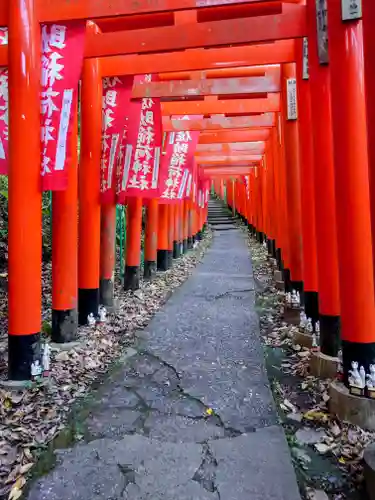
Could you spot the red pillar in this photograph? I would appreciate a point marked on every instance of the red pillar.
(171, 209)
(310, 273)
(324, 194)
(107, 253)
(185, 211)
(133, 243)
(64, 251)
(177, 231)
(24, 210)
(162, 256)
(352, 189)
(368, 17)
(89, 190)
(292, 170)
(151, 238)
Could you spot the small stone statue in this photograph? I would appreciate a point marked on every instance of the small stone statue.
(302, 319)
(371, 375)
(36, 369)
(46, 360)
(362, 374)
(314, 345)
(356, 380)
(340, 367)
(288, 298)
(309, 326)
(295, 299)
(102, 314)
(317, 328)
(370, 383)
(91, 320)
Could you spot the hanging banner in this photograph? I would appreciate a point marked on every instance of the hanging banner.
(116, 99)
(62, 58)
(141, 164)
(177, 162)
(3, 109)
(247, 185)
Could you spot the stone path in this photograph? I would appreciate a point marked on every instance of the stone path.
(189, 415)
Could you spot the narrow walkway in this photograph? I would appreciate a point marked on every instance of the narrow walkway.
(189, 416)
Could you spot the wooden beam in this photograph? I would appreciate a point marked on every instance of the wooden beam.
(238, 160)
(231, 148)
(198, 59)
(233, 136)
(221, 107)
(219, 86)
(64, 10)
(289, 24)
(219, 123)
(271, 71)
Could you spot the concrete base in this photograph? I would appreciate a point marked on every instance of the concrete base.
(292, 316)
(66, 346)
(15, 385)
(278, 275)
(369, 470)
(353, 409)
(114, 308)
(323, 366)
(303, 339)
(280, 285)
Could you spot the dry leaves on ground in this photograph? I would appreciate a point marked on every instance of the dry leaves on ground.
(31, 418)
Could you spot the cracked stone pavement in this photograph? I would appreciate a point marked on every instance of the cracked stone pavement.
(189, 414)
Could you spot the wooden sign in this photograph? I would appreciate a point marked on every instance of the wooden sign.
(322, 30)
(351, 9)
(305, 59)
(291, 90)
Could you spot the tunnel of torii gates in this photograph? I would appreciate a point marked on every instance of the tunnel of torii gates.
(270, 102)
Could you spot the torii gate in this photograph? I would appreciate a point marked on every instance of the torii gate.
(274, 185)
(25, 228)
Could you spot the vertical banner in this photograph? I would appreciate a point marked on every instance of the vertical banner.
(177, 163)
(116, 99)
(4, 109)
(247, 186)
(62, 58)
(141, 163)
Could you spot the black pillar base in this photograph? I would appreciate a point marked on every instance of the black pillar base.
(190, 242)
(132, 277)
(170, 258)
(279, 258)
(269, 247)
(363, 354)
(162, 260)
(64, 326)
(88, 302)
(149, 269)
(23, 350)
(312, 305)
(329, 334)
(199, 236)
(185, 246)
(273, 249)
(298, 286)
(106, 295)
(176, 249)
(287, 282)
(260, 236)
